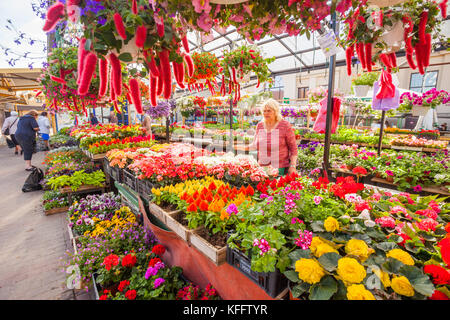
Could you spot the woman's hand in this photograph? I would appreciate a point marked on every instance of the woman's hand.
(291, 170)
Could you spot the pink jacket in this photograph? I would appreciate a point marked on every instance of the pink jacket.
(277, 146)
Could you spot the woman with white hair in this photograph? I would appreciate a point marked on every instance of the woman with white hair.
(275, 140)
(11, 124)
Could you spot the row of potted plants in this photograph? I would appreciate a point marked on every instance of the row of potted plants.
(121, 258)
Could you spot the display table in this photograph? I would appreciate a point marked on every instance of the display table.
(229, 282)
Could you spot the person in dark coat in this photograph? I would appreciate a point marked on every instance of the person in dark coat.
(94, 119)
(26, 136)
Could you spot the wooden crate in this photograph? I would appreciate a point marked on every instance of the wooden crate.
(182, 231)
(82, 188)
(159, 212)
(56, 210)
(217, 255)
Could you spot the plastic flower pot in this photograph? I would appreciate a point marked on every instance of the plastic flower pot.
(394, 36)
(361, 90)
(419, 111)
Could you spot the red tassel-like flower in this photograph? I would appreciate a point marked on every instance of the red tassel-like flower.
(57, 79)
(90, 62)
(152, 89)
(410, 60)
(120, 27)
(368, 53)
(423, 25)
(348, 58)
(393, 59)
(185, 43)
(134, 7)
(81, 55)
(136, 95)
(141, 36)
(160, 87)
(54, 14)
(153, 67)
(190, 64)
(103, 72)
(167, 74)
(443, 6)
(116, 79)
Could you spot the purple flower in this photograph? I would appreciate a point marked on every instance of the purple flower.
(158, 282)
(232, 209)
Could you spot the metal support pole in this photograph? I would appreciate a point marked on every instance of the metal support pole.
(231, 124)
(332, 68)
(380, 143)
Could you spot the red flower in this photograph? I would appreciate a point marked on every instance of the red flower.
(212, 186)
(438, 295)
(204, 206)
(110, 261)
(444, 244)
(159, 249)
(192, 208)
(123, 284)
(360, 206)
(359, 171)
(103, 297)
(153, 261)
(249, 190)
(438, 273)
(130, 294)
(129, 260)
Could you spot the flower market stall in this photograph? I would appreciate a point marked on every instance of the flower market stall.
(180, 214)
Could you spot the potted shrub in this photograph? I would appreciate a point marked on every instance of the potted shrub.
(362, 83)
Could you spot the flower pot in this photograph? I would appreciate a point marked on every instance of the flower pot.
(419, 111)
(130, 47)
(361, 90)
(385, 3)
(215, 254)
(390, 179)
(394, 36)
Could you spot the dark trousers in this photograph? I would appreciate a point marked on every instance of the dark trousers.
(27, 143)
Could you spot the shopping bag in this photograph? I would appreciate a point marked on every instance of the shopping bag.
(384, 104)
(320, 124)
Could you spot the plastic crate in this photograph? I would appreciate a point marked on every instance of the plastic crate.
(273, 283)
(130, 180)
(117, 174)
(144, 188)
(106, 166)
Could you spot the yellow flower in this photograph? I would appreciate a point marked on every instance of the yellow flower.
(323, 248)
(402, 286)
(401, 256)
(359, 292)
(350, 270)
(358, 248)
(309, 270)
(383, 276)
(331, 224)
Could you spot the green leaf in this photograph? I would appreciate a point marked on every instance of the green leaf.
(317, 226)
(292, 275)
(329, 261)
(418, 280)
(298, 254)
(323, 290)
(300, 289)
(386, 246)
(392, 265)
(125, 57)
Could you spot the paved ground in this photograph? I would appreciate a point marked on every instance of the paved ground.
(32, 245)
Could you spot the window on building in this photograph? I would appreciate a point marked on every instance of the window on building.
(302, 92)
(422, 83)
(277, 88)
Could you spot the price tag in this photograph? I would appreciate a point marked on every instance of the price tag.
(328, 43)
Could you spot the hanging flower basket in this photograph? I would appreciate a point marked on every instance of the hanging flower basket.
(384, 3)
(394, 37)
(419, 111)
(361, 90)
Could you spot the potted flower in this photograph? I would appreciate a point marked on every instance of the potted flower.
(420, 104)
(362, 83)
(239, 64)
(206, 68)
